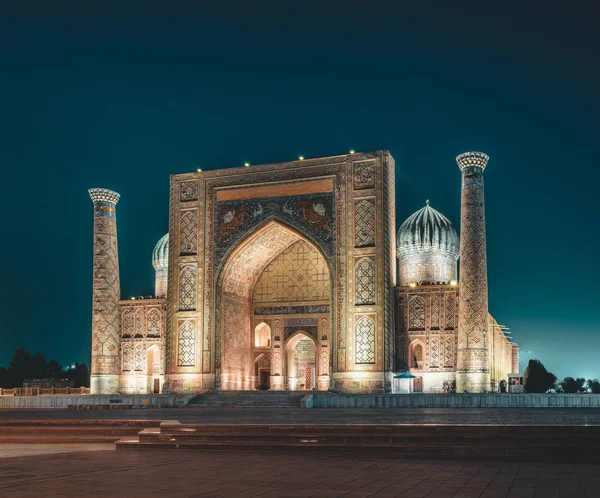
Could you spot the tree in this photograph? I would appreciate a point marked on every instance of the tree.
(581, 384)
(80, 375)
(54, 370)
(537, 378)
(594, 386)
(570, 385)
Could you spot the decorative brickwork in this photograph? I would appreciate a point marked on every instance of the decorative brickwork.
(188, 237)
(188, 191)
(434, 352)
(365, 281)
(154, 323)
(416, 313)
(106, 317)
(473, 361)
(364, 223)
(364, 175)
(187, 344)
(435, 311)
(365, 340)
(187, 288)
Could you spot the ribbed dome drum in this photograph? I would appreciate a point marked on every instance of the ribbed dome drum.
(160, 262)
(428, 247)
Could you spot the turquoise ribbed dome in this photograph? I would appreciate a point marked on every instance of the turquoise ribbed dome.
(160, 255)
(428, 230)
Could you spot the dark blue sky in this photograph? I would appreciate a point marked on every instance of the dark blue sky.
(122, 97)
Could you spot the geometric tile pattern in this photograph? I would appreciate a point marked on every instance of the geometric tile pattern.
(365, 281)
(139, 357)
(187, 288)
(127, 357)
(364, 175)
(450, 312)
(186, 355)
(140, 322)
(188, 191)
(187, 233)
(365, 340)
(127, 323)
(106, 314)
(298, 274)
(364, 223)
(449, 352)
(473, 296)
(154, 323)
(434, 352)
(416, 313)
(435, 311)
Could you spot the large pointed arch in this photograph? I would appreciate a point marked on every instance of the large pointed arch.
(235, 283)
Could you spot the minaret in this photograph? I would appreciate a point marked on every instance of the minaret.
(473, 371)
(106, 321)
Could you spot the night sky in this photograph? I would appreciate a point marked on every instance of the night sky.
(122, 97)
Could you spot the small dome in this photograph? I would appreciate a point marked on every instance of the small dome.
(428, 230)
(160, 255)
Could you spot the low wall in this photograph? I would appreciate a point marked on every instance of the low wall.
(49, 401)
(451, 400)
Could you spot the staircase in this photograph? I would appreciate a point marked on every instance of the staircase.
(537, 443)
(248, 399)
(70, 431)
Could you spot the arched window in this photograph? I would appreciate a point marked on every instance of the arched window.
(417, 356)
(262, 336)
(365, 281)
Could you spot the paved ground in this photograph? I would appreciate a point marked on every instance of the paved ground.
(187, 473)
(509, 416)
(19, 450)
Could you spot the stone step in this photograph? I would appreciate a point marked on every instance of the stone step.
(59, 439)
(70, 431)
(548, 443)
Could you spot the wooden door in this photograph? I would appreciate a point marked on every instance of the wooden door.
(265, 380)
(156, 389)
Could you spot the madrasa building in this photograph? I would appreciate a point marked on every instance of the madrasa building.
(293, 276)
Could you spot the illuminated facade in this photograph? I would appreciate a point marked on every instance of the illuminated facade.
(279, 276)
(445, 335)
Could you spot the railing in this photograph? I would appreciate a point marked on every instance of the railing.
(43, 391)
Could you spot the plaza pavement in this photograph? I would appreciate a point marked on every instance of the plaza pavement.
(189, 473)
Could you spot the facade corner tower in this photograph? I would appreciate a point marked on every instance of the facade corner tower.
(106, 319)
(473, 372)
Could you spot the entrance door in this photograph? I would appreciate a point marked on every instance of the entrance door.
(265, 380)
(418, 385)
(156, 389)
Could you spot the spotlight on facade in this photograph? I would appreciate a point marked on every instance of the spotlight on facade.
(301, 158)
(199, 170)
(412, 284)
(453, 282)
(352, 151)
(246, 164)
(133, 298)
